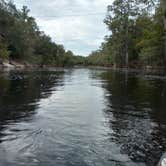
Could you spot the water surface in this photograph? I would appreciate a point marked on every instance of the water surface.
(81, 117)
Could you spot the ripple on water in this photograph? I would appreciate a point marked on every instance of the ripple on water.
(81, 117)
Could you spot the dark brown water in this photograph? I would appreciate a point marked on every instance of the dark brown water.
(81, 117)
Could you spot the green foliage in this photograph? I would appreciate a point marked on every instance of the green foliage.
(137, 34)
(4, 53)
(151, 42)
(97, 58)
(26, 42)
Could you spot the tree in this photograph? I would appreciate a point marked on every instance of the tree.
(24, 41)
(137, 34)
(150, 43)
(163, 5)
(4, 53)
(120, 20)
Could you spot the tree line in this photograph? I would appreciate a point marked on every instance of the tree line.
(22, 40)
(137, 28)
(138, 35)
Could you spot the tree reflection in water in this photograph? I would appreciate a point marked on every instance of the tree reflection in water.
(136, 113)
(20, 93)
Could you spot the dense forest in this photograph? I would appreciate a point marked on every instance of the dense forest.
(22, 40)
(137, 35)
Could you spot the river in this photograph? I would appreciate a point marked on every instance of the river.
(81, 117)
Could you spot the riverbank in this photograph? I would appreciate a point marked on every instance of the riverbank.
(12, 65)
(147, 70)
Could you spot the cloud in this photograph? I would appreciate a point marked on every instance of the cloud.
(77, 24)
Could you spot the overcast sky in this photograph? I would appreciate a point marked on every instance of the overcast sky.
(77, 24)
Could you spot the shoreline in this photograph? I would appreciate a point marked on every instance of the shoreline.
(145, 71)
(8, 65)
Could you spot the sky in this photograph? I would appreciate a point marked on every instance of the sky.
(77, 24)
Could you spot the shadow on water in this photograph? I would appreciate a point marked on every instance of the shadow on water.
(136, 112)
(20, 93)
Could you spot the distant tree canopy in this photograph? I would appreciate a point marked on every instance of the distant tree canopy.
(21, 39)
(138, 34)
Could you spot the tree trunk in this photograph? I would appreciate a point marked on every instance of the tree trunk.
(127, 46)
(127, 56)
(163, 3)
